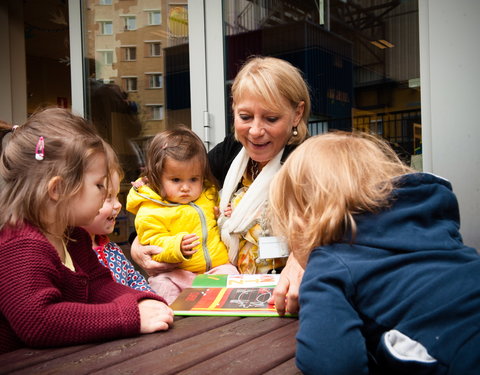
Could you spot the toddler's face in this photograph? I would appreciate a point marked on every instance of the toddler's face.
(104, 222)
(182, 181)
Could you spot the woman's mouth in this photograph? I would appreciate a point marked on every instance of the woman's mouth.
(258, 144)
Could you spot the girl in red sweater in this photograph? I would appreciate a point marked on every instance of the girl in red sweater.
(53, 290)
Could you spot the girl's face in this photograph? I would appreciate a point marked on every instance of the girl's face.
(262, 131)
(182, 181)
(85, 205)
(104, 222)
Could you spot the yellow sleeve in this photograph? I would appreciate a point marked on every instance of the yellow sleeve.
(153, 232)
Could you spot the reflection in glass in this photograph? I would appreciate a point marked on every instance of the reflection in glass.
(138, 75)
(360, 58)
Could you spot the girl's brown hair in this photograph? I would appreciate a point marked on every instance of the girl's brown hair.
(180, 144)
(274, 81)
(325, 182)
(70, 144)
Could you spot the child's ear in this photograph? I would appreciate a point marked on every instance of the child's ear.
(54, 188)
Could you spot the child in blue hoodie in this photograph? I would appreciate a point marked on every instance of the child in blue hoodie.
(389, 287)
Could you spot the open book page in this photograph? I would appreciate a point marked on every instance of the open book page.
(228, 295)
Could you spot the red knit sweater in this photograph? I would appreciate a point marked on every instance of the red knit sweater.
(43, 303)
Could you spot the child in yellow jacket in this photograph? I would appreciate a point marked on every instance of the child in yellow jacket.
(175, 210)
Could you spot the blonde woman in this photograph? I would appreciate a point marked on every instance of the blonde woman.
(389, 286)
(271, 107)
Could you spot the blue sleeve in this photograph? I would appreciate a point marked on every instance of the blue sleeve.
(329, 340)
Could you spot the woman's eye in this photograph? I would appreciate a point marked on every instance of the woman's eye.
(272, 119)
(245, 117)
(100, 186)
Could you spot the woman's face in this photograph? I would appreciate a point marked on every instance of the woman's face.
(263, 131)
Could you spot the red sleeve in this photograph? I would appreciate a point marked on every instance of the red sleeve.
(46, 304)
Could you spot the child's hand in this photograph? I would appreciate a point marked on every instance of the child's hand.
(154, 316)
(189, 241)
(228, 210)
(139, 183)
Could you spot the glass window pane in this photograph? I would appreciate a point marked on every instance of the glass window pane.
(154, 17)
(146, 87)
(360, 59)
(47, 54)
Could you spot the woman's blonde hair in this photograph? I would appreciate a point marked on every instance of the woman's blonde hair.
(325, 182)
(70, 144)
(274, 80)
(180, 144)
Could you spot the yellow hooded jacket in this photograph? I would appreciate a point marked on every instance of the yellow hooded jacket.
(162, 223)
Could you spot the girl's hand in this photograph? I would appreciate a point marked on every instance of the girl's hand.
(154, 316)
(142, 255)
(189, 241)
(285, 294)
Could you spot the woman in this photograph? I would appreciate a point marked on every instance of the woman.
(271, 106)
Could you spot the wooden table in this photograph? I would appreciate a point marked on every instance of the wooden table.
(195, 345)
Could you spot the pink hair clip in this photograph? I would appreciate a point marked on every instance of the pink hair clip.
(14, 127)
(40, 149)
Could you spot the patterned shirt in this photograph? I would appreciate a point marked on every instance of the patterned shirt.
(123, 272)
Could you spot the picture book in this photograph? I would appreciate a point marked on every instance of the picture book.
(228, 295)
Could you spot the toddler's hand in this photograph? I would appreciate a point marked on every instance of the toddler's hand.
(154, 316)
(228, 210)
(139, 183)
(189, 241)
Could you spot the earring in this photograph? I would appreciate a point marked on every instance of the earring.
(295, 132)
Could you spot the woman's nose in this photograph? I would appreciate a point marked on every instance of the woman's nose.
(256, 129)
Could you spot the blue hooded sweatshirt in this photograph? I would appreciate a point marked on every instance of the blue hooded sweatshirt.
(402, 298)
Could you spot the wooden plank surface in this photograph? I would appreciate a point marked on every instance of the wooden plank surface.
(22, 358)
(203, 347)
(253, 357)
(104, 355)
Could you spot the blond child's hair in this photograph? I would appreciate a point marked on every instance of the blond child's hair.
(70, 144)
(180, 144)
(274, 81)
(325, 182)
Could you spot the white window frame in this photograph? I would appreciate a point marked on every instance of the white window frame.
(107, 56)
(127, 83)
(155, 80)
(128, 25)
(103, 27)
(150, 48)
(126, 53)
(154, 16)
(156, 112)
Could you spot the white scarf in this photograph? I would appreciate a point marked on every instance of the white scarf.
(248, 210)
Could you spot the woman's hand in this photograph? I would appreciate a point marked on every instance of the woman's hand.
(154, 316)
(142, 255)
(285, 294)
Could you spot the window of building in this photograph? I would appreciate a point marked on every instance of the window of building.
(154, 17)
(155, 111)
(129, 53)
(130, 83)
(155, 80)
(105, 2)
(106, 57)
(106, 27)
(129, 23)
(154, 49)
